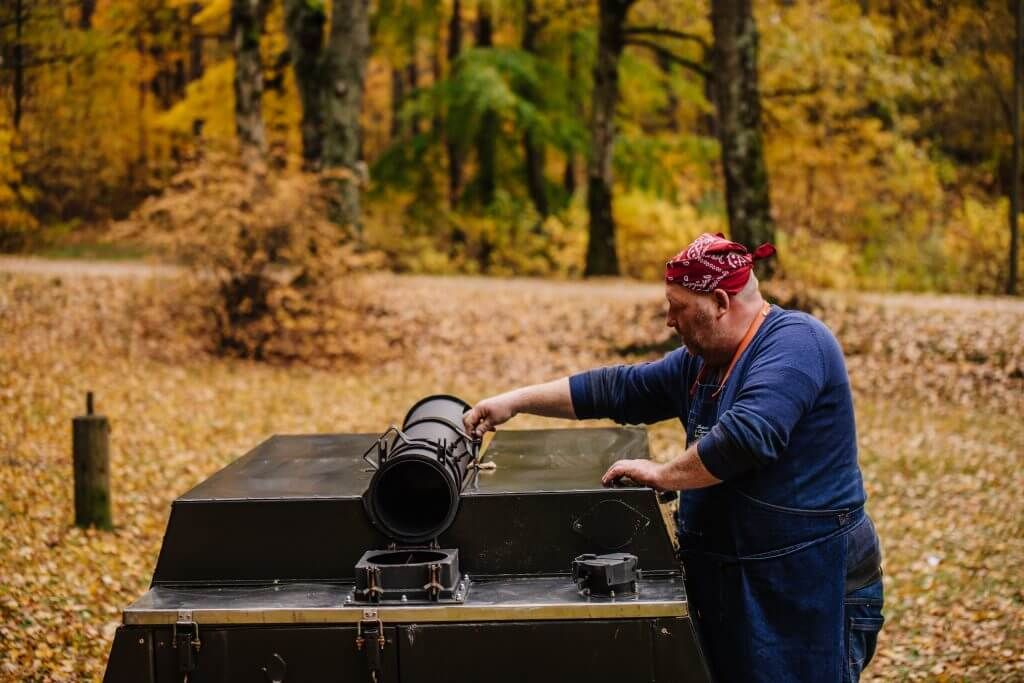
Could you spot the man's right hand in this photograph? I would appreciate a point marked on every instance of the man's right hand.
(489, 413)
(552, 399)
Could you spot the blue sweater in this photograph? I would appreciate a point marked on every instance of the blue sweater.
(785, 430)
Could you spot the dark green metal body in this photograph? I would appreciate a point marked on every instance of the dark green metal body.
(258, 561)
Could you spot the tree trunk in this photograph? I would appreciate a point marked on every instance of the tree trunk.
(397, 96)
(533, 151)
(18, 53)
(195, 45)
(344, 71)
(454, 154)
(304, 24)
(487, 137)
(706, 124)
(87, 7)
(140, 166)
(246, 26)
(734, 58)
(602, 258)
(436, 122)
(180, 80)
(1018, 67)
(669, 111)
(412, 81)
(569, 175)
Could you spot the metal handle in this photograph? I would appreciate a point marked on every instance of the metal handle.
(383, 448)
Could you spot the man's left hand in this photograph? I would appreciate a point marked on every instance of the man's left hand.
(643, 472)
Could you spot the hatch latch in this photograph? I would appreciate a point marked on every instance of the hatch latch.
(370, 641)
(185, 641)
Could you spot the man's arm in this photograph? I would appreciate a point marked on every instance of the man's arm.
(554, 399)
(642, 393)
(684, 472)
(551, 399)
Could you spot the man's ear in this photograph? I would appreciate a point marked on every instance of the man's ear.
(722, 301)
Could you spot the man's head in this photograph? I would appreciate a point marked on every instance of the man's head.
(712, 293)
(707, 323)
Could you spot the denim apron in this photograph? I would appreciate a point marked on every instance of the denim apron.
(766, 583)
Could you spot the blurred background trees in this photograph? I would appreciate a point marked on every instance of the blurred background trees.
(873, 141)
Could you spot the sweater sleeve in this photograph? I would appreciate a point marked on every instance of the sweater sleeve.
(631, 394)
(780, 387)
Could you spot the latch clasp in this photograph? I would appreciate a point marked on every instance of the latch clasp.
(185, 639)
(370, 641)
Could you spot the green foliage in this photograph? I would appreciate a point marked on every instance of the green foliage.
(525, 92)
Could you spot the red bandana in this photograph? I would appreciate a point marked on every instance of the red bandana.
(713, 262)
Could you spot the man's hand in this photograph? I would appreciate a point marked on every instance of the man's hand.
(551, 400)
(489, 413)
(643, 472)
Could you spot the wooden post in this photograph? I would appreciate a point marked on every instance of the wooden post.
(1018, 74)
(91, 454)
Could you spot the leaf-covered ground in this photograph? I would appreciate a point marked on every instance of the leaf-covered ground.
(939, 389)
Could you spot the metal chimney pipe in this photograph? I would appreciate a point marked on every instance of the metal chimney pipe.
(422, 469)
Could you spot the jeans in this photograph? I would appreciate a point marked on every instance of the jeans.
(862, 621)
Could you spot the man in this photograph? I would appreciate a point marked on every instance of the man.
(782, 563)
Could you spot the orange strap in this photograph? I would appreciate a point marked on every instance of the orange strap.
(755, 325)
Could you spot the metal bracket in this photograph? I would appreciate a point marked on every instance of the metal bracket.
(373, 590)
(381, 445)
(444, 449)
(433, 585)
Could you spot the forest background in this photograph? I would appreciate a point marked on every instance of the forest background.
(872, 139)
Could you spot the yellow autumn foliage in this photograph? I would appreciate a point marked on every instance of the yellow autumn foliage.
(885, 130)
(15, 219)
(270, 278)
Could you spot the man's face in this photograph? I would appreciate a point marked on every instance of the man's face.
(694, 318)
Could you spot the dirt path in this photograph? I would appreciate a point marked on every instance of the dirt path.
(603, 288)
(76, 267)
